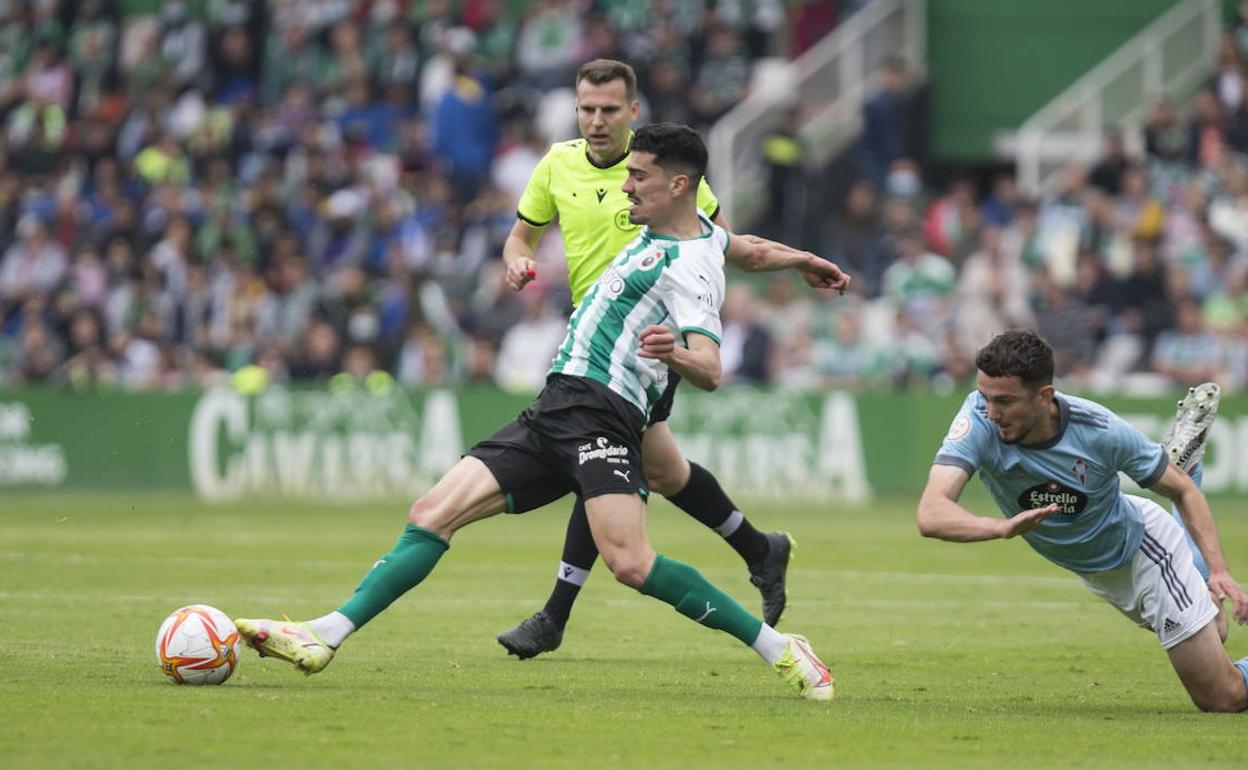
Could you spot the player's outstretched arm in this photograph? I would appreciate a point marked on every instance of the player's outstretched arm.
(698, 364)
(518, 253)
(941, 516)
(759, 255)
(1192, 505)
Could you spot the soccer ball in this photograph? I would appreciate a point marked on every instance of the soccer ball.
(197, 644)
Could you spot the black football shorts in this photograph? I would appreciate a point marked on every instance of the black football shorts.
(579, 436)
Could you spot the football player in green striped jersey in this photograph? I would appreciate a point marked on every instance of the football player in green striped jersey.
(578, 183)
(584, 432)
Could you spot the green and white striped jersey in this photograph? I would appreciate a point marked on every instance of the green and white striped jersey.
(654, 280)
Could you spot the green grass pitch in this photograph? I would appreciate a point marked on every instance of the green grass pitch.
(946, 656)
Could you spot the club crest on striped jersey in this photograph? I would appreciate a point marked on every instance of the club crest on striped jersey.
(649, 261)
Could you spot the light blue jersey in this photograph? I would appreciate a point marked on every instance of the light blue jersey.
(1096, 528)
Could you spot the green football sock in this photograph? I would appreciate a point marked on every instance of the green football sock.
(693, 596)
(409, 562)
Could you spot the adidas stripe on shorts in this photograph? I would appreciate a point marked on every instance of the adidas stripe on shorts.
(1160, 587)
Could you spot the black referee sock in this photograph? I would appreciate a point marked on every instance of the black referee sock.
(705, 500)
(579, 555)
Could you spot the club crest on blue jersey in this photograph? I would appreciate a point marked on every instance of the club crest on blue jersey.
(1080, 469)
(1069, 501)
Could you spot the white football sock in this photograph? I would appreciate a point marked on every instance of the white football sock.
(770, 644)
(334, 628)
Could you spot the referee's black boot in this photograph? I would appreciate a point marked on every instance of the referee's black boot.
(768, 575)
(535, 634)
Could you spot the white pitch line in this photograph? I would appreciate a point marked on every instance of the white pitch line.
(427, 600)
(905, 577)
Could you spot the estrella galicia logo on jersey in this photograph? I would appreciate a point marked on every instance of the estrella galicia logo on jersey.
(1080, 469)
(1069, 501)
(649, 261)
(622, 222)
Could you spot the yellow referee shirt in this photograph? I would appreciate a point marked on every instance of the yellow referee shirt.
(591, 207)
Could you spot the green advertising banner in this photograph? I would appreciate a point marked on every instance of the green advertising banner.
(311, 444)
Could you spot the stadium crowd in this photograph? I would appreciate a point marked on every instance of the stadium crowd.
(324, 186)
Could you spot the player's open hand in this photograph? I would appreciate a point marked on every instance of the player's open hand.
(657, 342)
(520, 271)
(1026, 521)
(1224, 586)
(819, 273)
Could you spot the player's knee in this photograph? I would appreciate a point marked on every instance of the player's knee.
(1228, 700)
(629, 568)
(1222, 704)
(428, 513)
(667, 478)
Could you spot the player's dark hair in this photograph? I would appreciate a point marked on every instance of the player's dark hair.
(1020, 354)
(677, 149)
(600, 71)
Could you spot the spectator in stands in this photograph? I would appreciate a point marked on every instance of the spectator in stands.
(1208, 131)
(884, 123)
(999, 207)
(1188, 352)
(548, 43)
(287, 305)
(33, 265)
(845, 358)
(784, 160)
(318, 359)
(1106, 175)
(746, 350)
(721, 80)
(465, 132)
(920, 283)
(529, 346)
(1141, 300)
(1229, 80)
(1164, 138)
(666, 92)
(1070, 325)
(993, 293)
(856, 239)
(951, 222)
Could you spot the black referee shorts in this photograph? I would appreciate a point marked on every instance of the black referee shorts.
(579, 436)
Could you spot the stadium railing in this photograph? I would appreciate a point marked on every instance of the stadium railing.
(828, 83)
(1169, 57)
